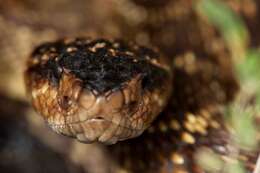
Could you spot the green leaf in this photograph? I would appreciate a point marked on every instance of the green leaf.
(243, 123)
(249, 69)
(235, 168)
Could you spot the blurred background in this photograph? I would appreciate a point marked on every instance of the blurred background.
(223, 36)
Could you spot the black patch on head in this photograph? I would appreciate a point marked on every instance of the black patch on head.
(152, 3)
(100, 64)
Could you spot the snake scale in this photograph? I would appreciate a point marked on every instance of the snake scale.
(171, 97)
(109, 91)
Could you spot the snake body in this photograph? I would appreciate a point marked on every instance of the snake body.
(104, 91)
(63, 93)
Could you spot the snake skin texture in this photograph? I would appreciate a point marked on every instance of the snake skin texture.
(203, 78)
(96, 90)
(71, 104)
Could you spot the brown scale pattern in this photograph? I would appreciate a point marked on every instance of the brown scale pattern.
(170, 145)
(181, 33)
(203, 76)
(158, 35)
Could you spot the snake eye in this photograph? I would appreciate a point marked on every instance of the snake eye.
(132, 106)
(132, 103)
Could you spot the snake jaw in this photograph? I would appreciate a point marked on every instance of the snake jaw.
(107, 107)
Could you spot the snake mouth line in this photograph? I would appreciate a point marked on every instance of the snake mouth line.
(63, 125)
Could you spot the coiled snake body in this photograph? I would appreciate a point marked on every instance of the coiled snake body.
(108, 91)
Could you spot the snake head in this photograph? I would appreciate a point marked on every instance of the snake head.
(97, 90)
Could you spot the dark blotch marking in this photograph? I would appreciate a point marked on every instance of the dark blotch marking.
(152, 3)
(100, 69)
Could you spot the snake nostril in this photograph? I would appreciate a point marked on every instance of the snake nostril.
(64, 102)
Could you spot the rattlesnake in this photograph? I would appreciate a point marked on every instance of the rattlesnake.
(192, 119)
